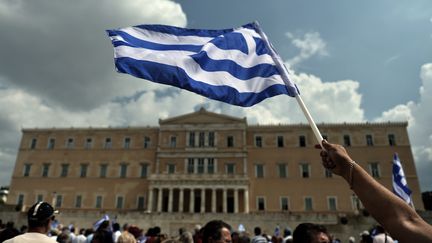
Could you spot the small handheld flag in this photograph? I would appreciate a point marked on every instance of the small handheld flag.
(400, 185)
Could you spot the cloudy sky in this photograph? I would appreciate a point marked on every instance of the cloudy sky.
(353, 61)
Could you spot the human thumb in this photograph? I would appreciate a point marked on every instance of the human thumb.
(325, 144)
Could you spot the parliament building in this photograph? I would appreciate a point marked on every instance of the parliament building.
(203, 162)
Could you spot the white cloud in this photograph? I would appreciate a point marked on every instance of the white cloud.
(419, 117)
(310, 44)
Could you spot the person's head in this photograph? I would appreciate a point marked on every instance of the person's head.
(257, 230)
(311, 233)
(287, 232)
(40, 216)
(116, 227)
(216, 231)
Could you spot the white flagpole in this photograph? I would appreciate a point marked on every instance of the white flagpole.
(285, 77)
(310, 120)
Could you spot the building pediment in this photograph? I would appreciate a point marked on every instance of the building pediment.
(202, 116)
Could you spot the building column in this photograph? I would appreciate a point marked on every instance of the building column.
(159, 202)
(150, 200)
(224, 203)
(192, 200)
(213, 204)
(202, 200)
(236, 205)
(170, 200)
(181, 195)
(246, 199)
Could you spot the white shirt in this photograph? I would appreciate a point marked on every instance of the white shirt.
(380, 238)
(31, 237)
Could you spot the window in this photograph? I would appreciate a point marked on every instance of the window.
(347, 140)
(144, 170)
(126, 143)
(119, 202)
(33, 143)
(200, 166)
(230, 168)
(173, 141)
(64, 170)
(88, 143)
(210, 166)
(308, 204)
(140, 202)
(27, 169)
(39, 198)
(369, 140)
(284, 203)
(108, 143)
(123, 170)
(20, 199)
(258, 141)
(230, 141)
(192, 139)
(201, 139)
(328, 173)
(99, 201)
(280, 141)
(190, 166)
(146, 142)
(259, 171)
(70, 143)
(211, 139)
(83, 170)
(51, 143)
(302, 141)
(261, 203)
(391, 139)
(332, 203)
(78, 201)
(305, 170)
(171, 168)
(282, 170)
(58, 201)
(45, 169)
(103, 170)
(374, 169)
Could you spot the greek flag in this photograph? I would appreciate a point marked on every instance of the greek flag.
(400, 186)
(238, 66)
(100, 221)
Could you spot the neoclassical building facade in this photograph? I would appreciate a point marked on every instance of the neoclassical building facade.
(202, 162)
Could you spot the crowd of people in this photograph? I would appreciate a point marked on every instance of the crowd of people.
(396, 218)
(113, 232)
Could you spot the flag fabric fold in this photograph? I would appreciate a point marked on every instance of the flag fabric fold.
(400, 185)
(237, 66)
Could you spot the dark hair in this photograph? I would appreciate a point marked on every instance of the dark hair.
(257, 230)
(212, 230)
(116, 226)
(305, 232)
(36, 224)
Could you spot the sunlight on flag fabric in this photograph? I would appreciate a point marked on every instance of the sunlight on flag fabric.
(400, 185)
(238, 66)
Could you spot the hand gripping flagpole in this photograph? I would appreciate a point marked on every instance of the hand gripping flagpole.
(292, 87)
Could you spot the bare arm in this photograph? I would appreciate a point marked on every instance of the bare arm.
(397, 217)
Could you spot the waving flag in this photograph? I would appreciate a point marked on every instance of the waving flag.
(400, 186)
(237, 66)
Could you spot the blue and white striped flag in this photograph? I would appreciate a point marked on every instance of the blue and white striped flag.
(238, 66)
(100, 221)
(400, 186)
